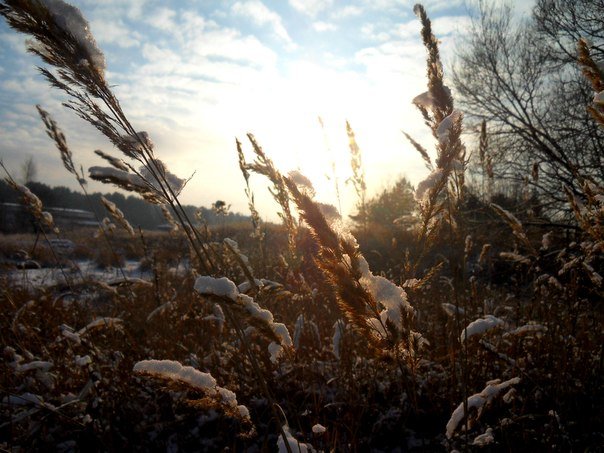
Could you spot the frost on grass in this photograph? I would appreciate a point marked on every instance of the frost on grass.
(478, 402)
(175, 183)
(254, 310)
(392, 297)
(276, 350)
(304, 184)
(68, 333)
(452, 310)
(293, 444)
(101, 322)
(243, 259)
(174, 371)
(527, 329)
(479, 326)
(147, 183)
(246, 285)
(484, 439)
(123, 177)
(160, 310)
(225, 288)
(445, 126)
(117, 215)
(425, 187)
(329, 211)
(135, 144)
(221, 287)
(119, 281)
(262, 283)
(34, 365)
(338, 332)
(424, 100)
(516, 257)
(33, 204)
(318, 429)
(279, 329)
(70, 19)
(82, 361)
(217, 317)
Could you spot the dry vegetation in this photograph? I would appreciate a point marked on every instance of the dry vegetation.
(318, 349)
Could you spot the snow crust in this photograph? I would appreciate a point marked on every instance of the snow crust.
(526, 330)
(34, 365)
(293, 444)
(484, 439)
(101, 322)
(318, 429)
(173, 370)
(170, 369)
(424, 187)
(478, 401)
(444, 128)
(233, 245)
(392, 297)
(451, 309)
(70, 19)
(479, 326)
(221, 287)
(424, 100)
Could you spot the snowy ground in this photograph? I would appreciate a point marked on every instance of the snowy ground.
(82, 269)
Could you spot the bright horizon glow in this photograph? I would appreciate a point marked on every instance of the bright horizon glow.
(195, 76)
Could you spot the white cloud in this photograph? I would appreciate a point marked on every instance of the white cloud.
(372, 32)
(409, 30)
(115, 32)
(162, 18)
(310, 7)
(324, 26)
(451, 25)
(131, 9)
(202, 82)
(230, 44)
(261, 15)
(444, 26)
(347, 11)
(13, 40)
(435, 6)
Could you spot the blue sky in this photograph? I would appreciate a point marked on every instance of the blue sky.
(195, 74)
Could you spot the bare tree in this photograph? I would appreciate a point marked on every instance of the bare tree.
(522, 79)
(29, 170)
(562, 23)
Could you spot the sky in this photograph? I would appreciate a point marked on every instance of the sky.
(196, 74)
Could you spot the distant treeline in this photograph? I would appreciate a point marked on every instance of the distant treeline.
(137, 211)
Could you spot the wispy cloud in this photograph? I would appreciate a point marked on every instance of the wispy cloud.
(261, 15)
(162, 18)
(195, 74)
(115, 32)
(347, 11)
(131, 9)
(311, 7)
(374, 32)
(321, 26)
